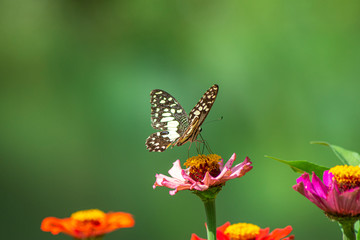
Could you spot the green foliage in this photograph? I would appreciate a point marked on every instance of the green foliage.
(346, 157)
(75, 111)
(301, 166)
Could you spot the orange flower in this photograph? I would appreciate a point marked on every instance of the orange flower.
(248, 231)
(88, 223)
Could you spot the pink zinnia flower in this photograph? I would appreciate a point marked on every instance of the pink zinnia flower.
(247, 231)
(339, 192)
(202, 172)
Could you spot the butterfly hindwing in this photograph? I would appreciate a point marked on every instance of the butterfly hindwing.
(159, 141)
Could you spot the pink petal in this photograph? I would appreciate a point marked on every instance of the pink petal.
(346, 203)
(304, 178)
(301, 188)
(319, 187)
(224, 172)
(245, 164)
(230, 161)
(240, 169)
(221, 164)
(327, 178)
(207, 180)
(176, 170)
(199, 187)
(187, 177)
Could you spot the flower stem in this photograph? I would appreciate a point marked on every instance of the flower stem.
(208, 198)
(348, 229)
(210, 218)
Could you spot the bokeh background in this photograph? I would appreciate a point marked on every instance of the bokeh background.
(75, 111)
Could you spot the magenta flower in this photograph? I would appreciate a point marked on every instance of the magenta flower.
(202, 172)
(337, 195)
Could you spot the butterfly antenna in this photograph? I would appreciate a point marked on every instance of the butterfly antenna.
(213, 120)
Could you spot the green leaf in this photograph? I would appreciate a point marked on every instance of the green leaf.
(301, 166)
(346, 157)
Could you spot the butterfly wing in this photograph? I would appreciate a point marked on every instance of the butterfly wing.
(198, 115)
(160, 141)
(202, 108)
(167, 115)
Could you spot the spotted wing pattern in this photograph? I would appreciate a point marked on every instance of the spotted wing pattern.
(167, 115)
(159, 141)
(202, 108)
(198, 115)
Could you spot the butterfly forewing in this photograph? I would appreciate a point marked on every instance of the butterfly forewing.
(168, 115)
(202, 108)
(166, 112)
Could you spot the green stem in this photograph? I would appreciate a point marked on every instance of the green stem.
(210, 218)
(208, 198)
(348, 229)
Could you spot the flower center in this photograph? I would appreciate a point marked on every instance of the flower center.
(199, 165)
(94, 216)
(347, 177)
(242, 231)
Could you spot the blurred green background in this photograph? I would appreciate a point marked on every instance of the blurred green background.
(75, 111)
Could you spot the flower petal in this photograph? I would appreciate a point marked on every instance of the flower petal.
(242, 168)
(176, 170)
(54, 225)
(280, 233)
(195, 237)
(318, 186)
(328, 178)
(231, 161)
(117, 220)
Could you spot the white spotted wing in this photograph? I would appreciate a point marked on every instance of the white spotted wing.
(170, 117)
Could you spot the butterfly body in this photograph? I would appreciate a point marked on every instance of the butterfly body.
(190, 133)
(169, 116)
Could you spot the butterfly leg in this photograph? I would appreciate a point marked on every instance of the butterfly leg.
(189, 149)
(205, 144)
(198, 147)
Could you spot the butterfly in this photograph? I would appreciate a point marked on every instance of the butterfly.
(176, 126)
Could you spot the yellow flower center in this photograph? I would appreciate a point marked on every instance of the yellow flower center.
(88, 215)
(201, 164)
(242, 231)
(347, 177)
